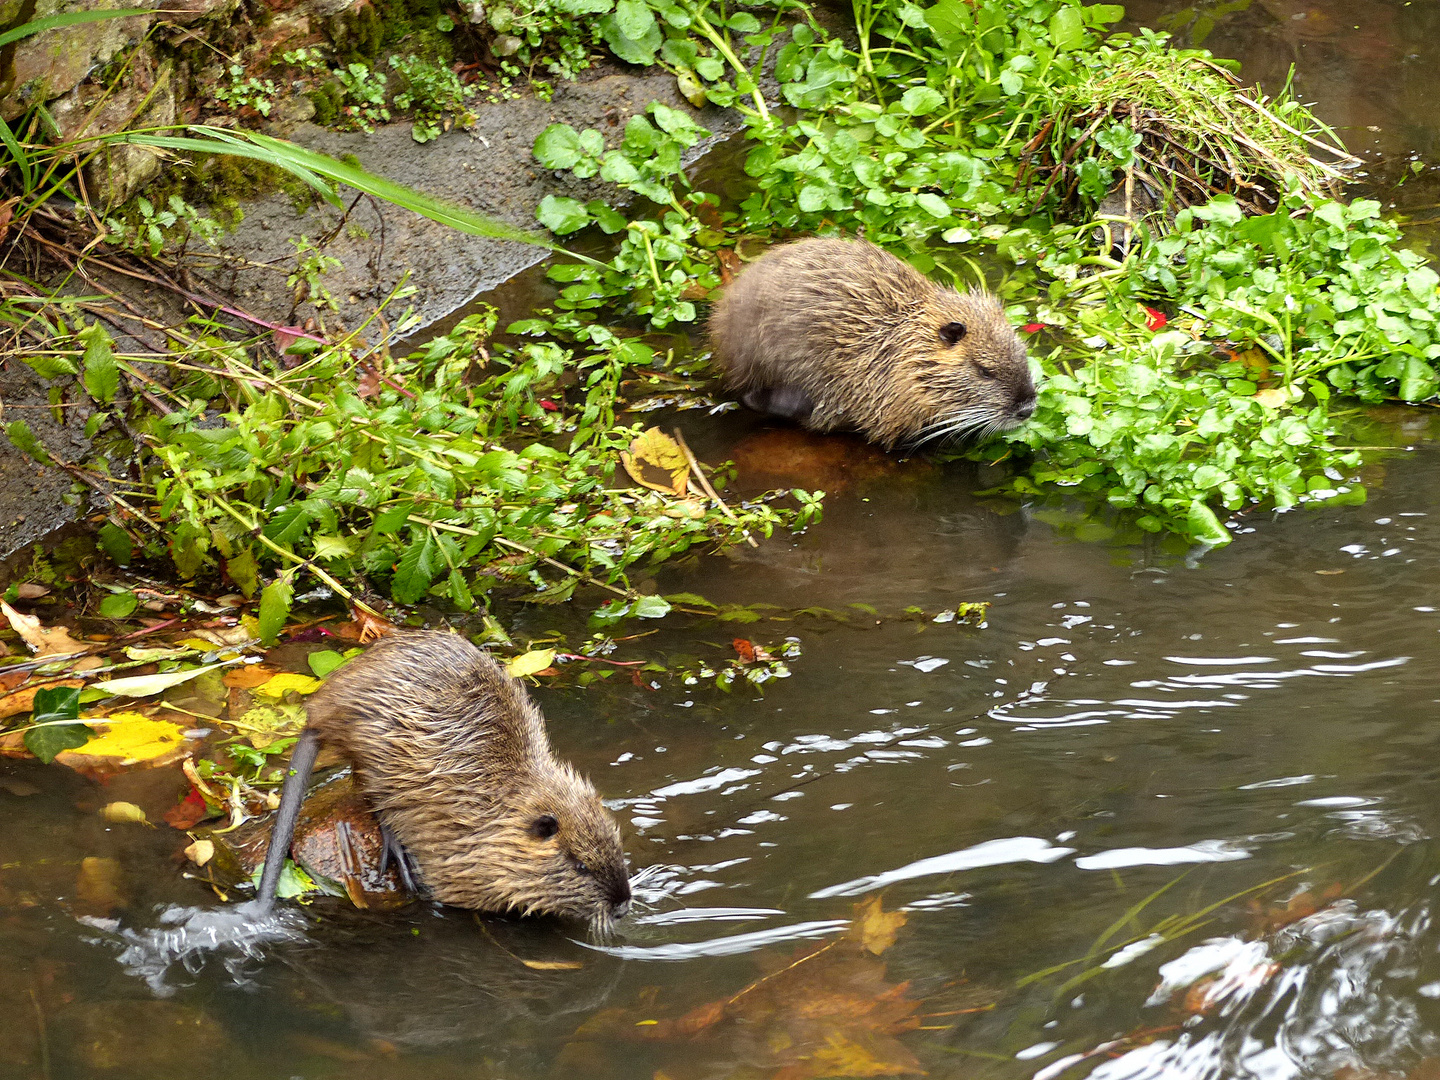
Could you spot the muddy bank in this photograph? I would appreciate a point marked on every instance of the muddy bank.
(488, 168)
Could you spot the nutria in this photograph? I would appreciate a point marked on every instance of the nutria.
(840, 334)
(452, 756)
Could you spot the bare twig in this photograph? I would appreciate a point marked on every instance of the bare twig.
(705, 483)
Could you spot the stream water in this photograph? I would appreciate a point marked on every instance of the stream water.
(1227, 762)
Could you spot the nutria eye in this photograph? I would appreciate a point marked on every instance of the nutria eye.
(985, 372)
(545, 827)
(581, 867)
(951, 333)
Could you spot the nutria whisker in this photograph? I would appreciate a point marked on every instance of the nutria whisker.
(841, 334)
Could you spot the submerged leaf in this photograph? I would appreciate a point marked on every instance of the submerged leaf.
(117, 813)
(874, 928)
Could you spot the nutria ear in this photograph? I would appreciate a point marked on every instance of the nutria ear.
(951, 333)
(544, 827)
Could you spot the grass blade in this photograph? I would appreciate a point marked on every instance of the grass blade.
(71, 18)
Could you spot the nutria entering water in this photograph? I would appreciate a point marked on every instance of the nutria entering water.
(452, 755)
(840, 334)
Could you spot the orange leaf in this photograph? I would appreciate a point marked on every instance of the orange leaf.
(746, 650)
(247, 676)
(873, 928)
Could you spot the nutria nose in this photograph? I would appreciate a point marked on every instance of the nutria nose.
(1025, 409)
(619, 897)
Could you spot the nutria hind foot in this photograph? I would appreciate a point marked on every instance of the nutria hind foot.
(392, 850)
(787, 402)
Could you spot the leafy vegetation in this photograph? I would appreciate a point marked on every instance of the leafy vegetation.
(1202, 293)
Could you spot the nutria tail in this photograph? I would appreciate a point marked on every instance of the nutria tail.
(841, 334)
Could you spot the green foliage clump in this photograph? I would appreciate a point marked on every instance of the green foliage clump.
(460, 467)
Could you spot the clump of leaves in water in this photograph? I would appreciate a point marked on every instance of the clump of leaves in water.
(1192, 357)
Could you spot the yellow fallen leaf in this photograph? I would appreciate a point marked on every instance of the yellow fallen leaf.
(127, 738)
(845, 1057)
(529, 663)
(263, 724)
(200, 852)
(656, 461)
(873, 928)
(1272, 398)
(117, 813)
(553, 965)
(45, 641)
(277, 686)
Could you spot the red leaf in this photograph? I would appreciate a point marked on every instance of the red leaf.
(1154, 320)
(548, 405)
(188, 812)
(746, 650)
(1033, 328)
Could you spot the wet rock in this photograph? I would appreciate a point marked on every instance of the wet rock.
(145, 99)
(52, 63)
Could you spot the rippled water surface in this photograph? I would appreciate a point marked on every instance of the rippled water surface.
(1195, 796)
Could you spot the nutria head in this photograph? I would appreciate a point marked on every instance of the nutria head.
(547, 846)
(974, 370)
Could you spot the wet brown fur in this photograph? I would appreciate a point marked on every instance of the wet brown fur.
(841, 334)
(453, 756)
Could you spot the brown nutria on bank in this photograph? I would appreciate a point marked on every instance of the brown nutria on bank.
(452, 755)
(841, 334)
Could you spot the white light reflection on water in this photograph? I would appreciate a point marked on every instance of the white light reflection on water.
(1012, 849)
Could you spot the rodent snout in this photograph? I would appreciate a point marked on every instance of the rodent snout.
(1025, 409)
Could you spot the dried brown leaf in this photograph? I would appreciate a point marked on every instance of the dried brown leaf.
(44, 641)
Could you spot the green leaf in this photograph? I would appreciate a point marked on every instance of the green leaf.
(558, 147)
(631, 50)
(102, 374)
(275, 601)
(418, 565)
(244, 572)
(1100, 14)
(562, 214)
(651, 607)
(119, 605)
(49, 367)
(1202, 525)
(19, 433)
(325, 661)
(634, 19)
(1067, 29)
(117, 544)
(919, 100)
(73, 18)
(933, 204)
(55, 707)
